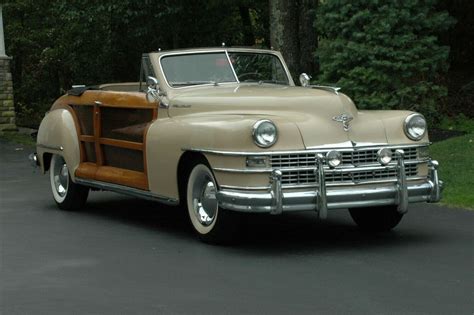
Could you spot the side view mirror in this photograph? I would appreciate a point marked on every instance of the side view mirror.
(153, 90)
(304, 79)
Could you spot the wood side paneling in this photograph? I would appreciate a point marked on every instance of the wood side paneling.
(86, 170)
(87, 138)
(98, 171)
(122, 144)
(122, 176)
(97, 128)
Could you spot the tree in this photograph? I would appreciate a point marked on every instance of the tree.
(384, 54)
(57, 43)
(293, 33)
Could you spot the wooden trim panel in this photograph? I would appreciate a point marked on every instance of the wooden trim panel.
(122, 177)
(111, 174)
(116, 99)
(87, 138)
(122, 144)
(97, 129)
(86, 170)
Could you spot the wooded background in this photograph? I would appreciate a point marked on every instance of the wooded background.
(385, 54)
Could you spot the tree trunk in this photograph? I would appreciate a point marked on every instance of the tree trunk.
(292, 32)
(284, 32)
(308, 37)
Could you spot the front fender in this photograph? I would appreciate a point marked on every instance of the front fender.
(393, 122)
(57, 134)
(167, 139)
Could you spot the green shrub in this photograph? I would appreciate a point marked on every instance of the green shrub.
(384, 54)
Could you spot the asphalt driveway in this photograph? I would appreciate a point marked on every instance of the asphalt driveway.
(122, 255)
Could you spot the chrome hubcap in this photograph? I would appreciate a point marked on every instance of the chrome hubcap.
(61, 177)
(204, 199)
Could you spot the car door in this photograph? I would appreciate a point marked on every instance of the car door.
(112, 136)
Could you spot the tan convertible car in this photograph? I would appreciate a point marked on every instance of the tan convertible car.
(225, 131)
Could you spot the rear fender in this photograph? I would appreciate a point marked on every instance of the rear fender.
(57, 134)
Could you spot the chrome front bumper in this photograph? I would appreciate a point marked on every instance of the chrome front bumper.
(322, 198)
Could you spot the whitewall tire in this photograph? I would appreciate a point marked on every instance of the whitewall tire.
(212, 223)
(67, 194)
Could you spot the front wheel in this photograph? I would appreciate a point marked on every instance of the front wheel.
(212, 223)
(67, 194)
(376, 219)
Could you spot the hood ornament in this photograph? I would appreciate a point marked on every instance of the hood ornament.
(345, 119)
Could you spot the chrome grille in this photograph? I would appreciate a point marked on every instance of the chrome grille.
(355, 158)
(302, 177)
(349, 158)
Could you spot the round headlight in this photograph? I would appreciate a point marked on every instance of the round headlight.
(264, 133)
(415, 126)
(334, 158)
(384, 156)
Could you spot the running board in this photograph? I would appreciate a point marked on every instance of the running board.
(127, 191)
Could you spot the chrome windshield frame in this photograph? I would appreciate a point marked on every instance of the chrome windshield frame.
(226, 51)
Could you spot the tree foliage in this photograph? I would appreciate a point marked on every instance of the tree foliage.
(57, 43)
(385, 54)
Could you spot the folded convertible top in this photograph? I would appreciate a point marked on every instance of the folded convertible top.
(78, 91)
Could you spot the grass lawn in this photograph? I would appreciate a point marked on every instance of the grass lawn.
(456, 158)
(19, 138)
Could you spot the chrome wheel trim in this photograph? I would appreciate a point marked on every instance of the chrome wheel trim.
(59, 178)
(201, 199)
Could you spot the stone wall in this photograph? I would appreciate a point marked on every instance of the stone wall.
(7, 110)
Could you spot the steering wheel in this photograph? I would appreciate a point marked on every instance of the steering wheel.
(256, 75)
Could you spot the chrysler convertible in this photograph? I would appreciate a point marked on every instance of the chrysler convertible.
(226, 131)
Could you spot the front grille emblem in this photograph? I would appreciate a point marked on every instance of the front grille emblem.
(345, 119)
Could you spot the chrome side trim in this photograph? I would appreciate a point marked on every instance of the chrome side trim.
(246, 153)
(127, 191)
(50, 147)
(402, 192)
(231, 187)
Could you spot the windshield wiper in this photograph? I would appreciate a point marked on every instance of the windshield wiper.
(279, 82)
(185, 83)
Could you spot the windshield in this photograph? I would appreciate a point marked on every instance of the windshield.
(265, 68)
(194, 69)
(208, 68)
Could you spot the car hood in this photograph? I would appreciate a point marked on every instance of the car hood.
(311, 110)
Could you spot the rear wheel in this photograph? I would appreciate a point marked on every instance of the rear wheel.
(67, 194)
(376, 219)
(211, 223)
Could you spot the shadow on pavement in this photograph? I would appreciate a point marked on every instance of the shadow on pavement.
(292, 233)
